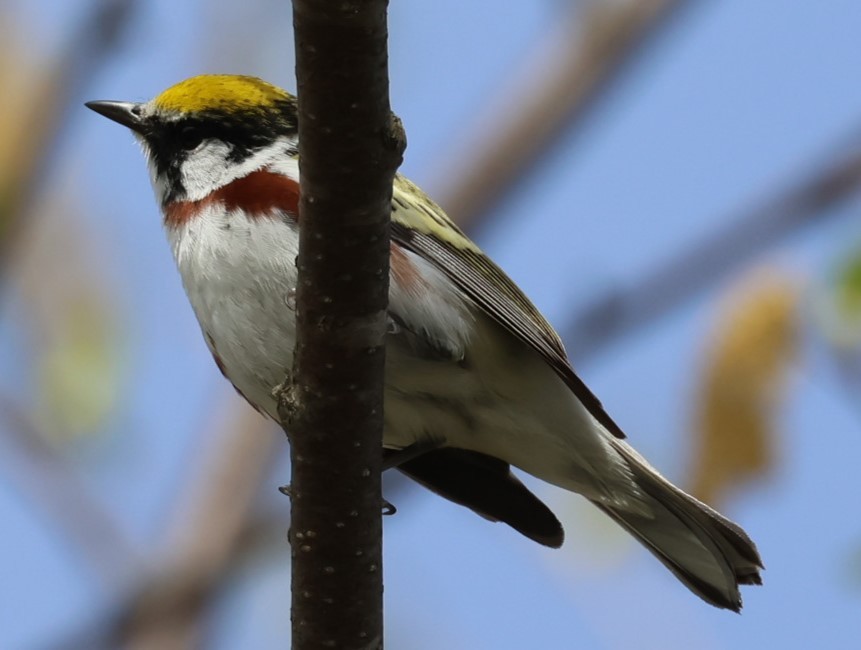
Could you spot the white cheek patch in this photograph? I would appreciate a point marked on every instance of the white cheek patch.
(209, 167)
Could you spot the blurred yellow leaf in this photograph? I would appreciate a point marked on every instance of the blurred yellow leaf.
(64, 309)
(79, 371)
(838, 308)
(746, 367)
(849, 286)
(18, 76)
(27, 102)
(68, 311)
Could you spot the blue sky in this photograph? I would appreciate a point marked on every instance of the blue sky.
(732, 101)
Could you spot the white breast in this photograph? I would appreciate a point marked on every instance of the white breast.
(240, 275)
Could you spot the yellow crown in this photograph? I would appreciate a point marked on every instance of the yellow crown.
(223, 92)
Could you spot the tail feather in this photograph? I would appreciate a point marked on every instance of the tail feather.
(710, 554)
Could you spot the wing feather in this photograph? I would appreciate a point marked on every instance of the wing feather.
(421, 226)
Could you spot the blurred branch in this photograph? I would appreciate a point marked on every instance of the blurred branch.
(211, 532)
(165, 612)
(556, 88)
(177, 597)
(88, 49)
(802, 203)
(45, 477)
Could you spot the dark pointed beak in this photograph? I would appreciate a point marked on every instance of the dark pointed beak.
(125, 113)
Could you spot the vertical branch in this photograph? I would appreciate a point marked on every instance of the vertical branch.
(350, 148)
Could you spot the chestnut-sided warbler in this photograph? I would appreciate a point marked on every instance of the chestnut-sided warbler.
(476, 379)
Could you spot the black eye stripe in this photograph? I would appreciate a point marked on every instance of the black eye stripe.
(244, 131)
(189, 137)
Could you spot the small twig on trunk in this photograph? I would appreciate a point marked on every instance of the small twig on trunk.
(350, 146)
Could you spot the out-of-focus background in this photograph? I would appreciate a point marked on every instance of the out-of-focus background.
(675, 183)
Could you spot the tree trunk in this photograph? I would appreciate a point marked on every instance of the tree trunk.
(350, 146)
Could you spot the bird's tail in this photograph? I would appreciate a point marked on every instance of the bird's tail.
(710, 554)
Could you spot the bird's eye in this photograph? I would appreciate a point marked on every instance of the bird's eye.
(189, 137)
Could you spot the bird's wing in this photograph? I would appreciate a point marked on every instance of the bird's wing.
(419, 225)
(487, 486)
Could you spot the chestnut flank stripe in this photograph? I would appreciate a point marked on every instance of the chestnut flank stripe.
(404, 271)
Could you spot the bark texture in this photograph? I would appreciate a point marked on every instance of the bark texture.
(350, 148)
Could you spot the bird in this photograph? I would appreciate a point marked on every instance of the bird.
(476, 380)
